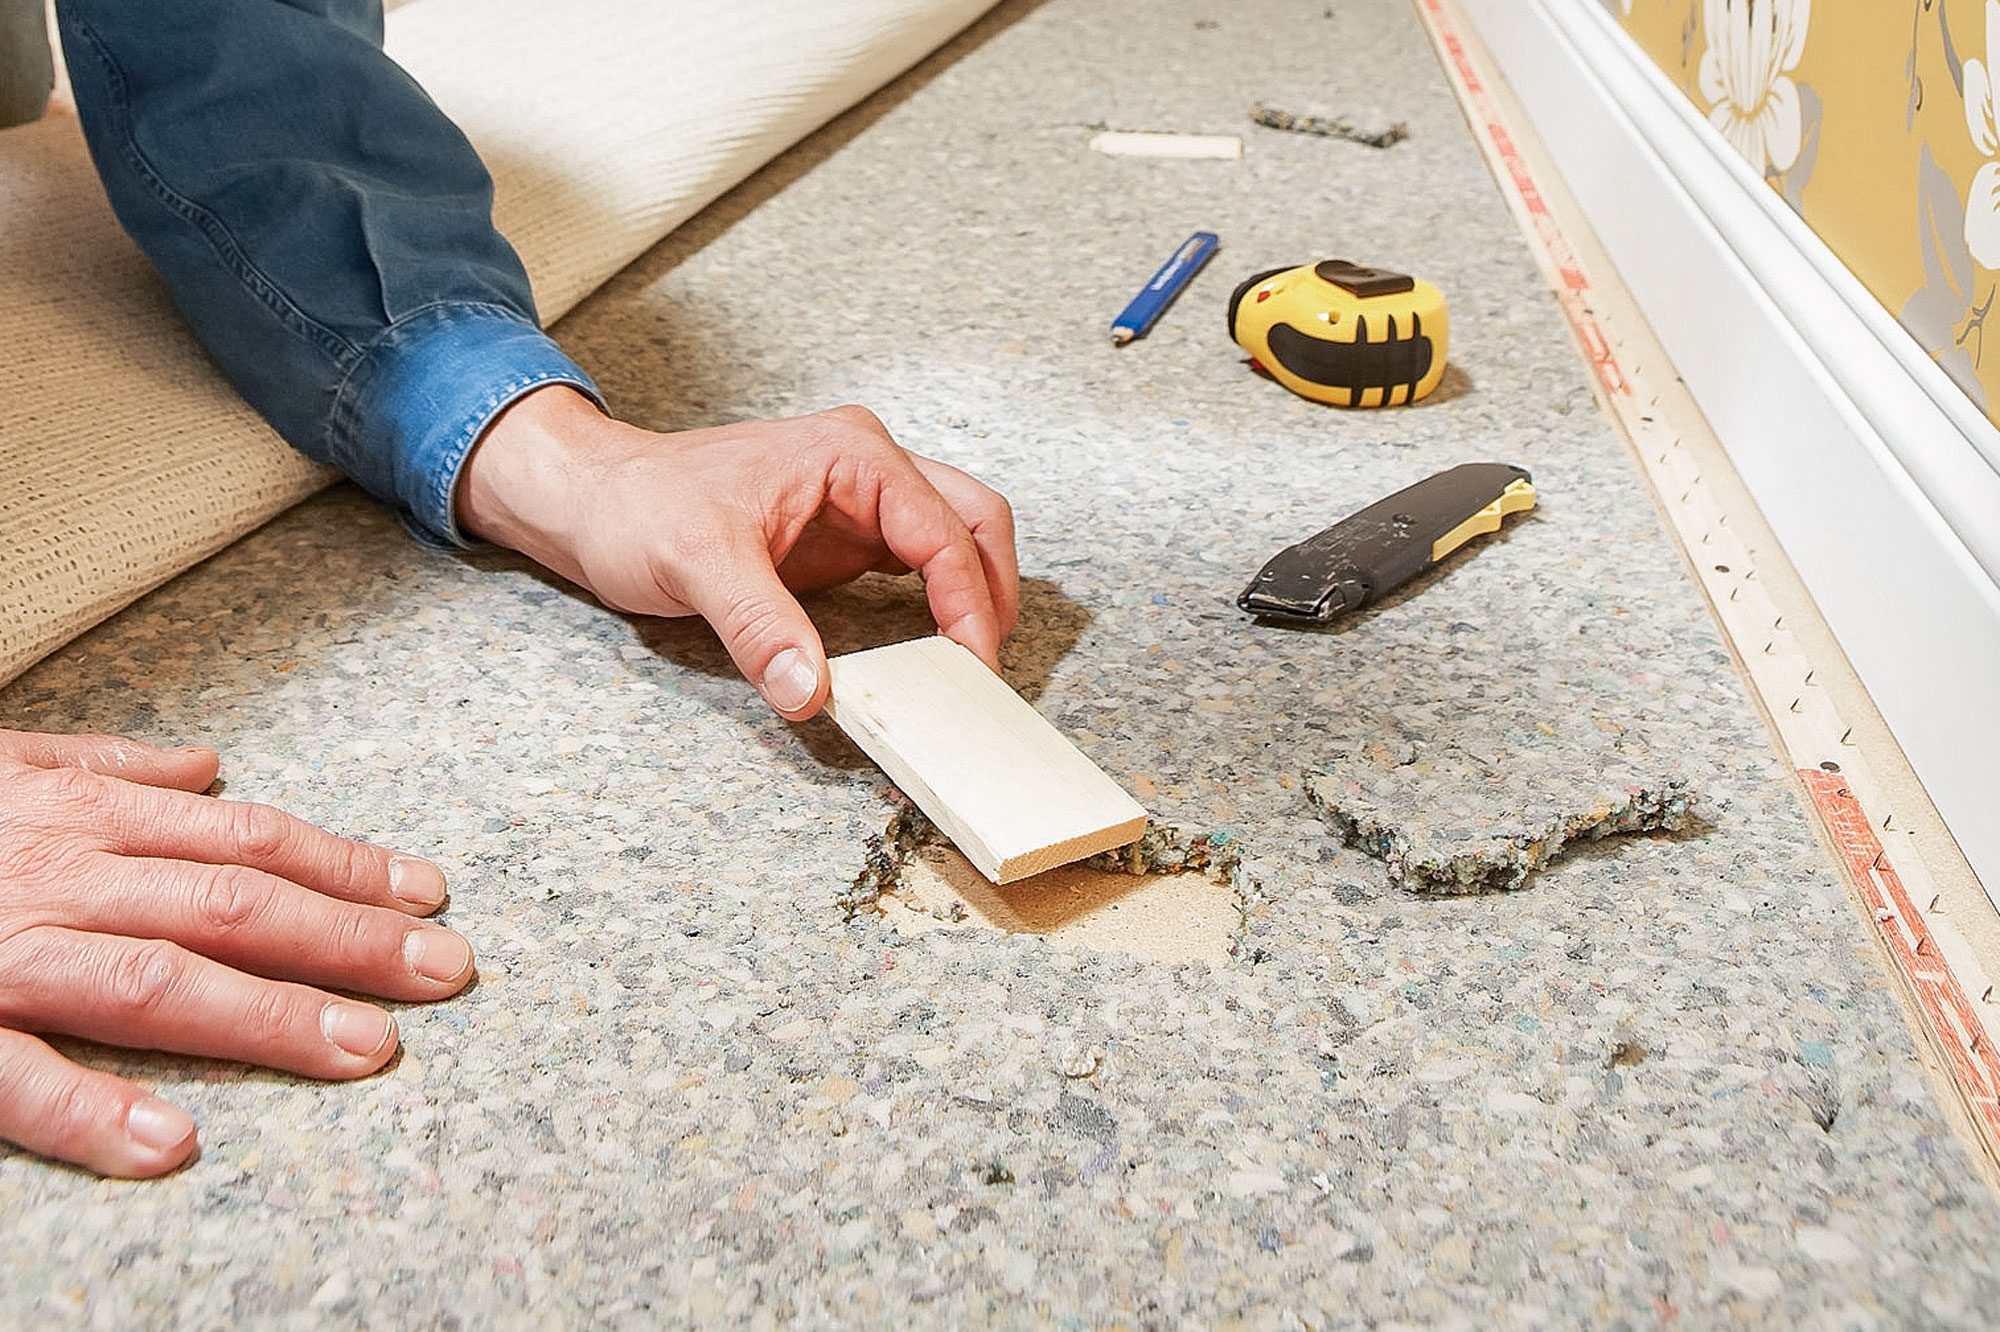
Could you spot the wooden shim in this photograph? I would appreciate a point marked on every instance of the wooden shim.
(1013, 794)
(1147, 143)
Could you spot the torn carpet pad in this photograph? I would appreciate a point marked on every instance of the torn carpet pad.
(1470, 843)
(1164, 849)
(1375, 135)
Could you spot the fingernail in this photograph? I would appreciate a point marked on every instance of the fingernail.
(157, 1126)
(356, 1028)
(790, 680)
(417, 882)
(436, 954)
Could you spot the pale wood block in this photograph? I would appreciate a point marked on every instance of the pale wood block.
(1014, 794)
(1148, 143)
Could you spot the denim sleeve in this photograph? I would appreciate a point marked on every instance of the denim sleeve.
(322, 226)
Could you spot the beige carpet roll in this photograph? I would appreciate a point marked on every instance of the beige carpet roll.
(125, 458)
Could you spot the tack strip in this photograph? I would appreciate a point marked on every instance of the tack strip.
(1974, 1065)
(1558, 260)
(1933, 962)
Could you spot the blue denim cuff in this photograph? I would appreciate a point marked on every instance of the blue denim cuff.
(408, 413)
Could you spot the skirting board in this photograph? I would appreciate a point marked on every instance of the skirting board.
(1874, 470)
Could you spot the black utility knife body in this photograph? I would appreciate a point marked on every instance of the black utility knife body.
(1368, 554)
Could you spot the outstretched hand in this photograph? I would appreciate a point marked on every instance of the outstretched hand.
(729, 523)
(136, 911)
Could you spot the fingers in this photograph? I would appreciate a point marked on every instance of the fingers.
(923, 532)
(269, 926)
(991, 520)
(190, 769)
(698, 522)
(60, 1109)
(921, 529)
(731, 582)
(155, 995)
(173, 825)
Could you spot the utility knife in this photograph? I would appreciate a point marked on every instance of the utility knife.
(1367, 555)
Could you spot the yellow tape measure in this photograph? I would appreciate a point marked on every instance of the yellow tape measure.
(1343, 334)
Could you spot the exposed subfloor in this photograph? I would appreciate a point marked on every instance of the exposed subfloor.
(1666, 1076)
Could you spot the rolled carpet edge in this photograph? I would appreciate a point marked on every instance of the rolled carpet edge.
(126, 458)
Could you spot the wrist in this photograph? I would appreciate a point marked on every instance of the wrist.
(517, 488)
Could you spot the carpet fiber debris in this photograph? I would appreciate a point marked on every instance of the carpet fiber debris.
(1330, 127)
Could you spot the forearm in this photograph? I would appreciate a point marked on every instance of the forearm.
(328, 234)
(325, 230)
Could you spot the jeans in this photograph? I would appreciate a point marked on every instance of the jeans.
(324, 229)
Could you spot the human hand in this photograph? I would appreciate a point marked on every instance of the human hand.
(136, 911)
(729, 522)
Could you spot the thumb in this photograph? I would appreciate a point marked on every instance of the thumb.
(191, 769)
(767, 632)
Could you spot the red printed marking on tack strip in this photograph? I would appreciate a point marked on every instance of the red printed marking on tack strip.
(1975, 1065)
(1575, 288)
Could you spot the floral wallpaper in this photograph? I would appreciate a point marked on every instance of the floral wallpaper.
(1876, 120)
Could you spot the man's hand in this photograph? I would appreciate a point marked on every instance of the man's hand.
(136, 911)
(728, 523)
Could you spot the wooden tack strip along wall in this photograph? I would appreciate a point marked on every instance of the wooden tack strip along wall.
(1947, 981)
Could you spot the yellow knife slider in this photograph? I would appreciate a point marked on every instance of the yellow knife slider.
(1518, 497)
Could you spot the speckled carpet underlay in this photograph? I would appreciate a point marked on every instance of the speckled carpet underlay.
(699, 1080)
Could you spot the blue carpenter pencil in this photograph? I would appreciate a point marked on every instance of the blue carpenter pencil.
(1152, 302)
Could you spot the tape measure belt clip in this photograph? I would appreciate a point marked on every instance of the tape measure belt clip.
(1364, 281)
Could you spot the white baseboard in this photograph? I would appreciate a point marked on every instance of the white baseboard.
(1880, 477)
